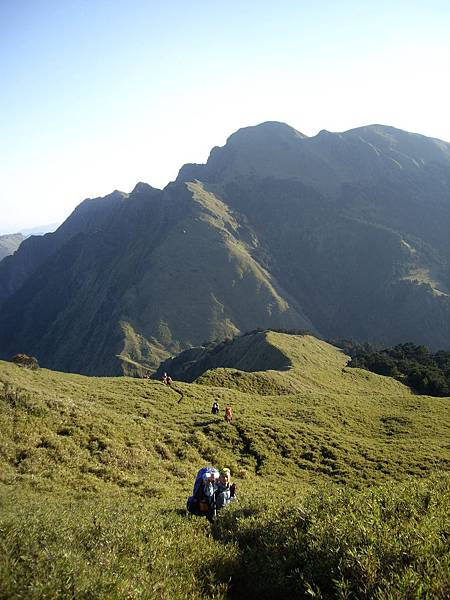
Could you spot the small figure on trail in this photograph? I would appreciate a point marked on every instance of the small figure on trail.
(228, 413)
(215, 408)
(167, 379)
(212, 491)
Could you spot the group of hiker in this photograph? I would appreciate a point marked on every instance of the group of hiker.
(212, 491)
(228, 416)
(212, 487)
(166, 379)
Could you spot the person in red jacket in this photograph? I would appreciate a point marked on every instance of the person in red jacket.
(228, 413)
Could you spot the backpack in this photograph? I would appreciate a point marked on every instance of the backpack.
(198, 504)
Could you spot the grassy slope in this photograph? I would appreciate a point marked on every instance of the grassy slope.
(346, 423)
(99, 468)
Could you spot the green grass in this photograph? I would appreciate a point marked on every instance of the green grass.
(95, 472)
(388, 542)
(108, 546)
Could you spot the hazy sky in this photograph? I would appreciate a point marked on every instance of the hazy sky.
(96, 95)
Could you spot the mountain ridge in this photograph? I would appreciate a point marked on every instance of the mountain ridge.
(342, 234)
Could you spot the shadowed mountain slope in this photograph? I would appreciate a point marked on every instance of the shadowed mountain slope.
(250, 352)
(343, 234)
(163, 273)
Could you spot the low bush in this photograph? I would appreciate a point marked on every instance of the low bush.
(23, 360)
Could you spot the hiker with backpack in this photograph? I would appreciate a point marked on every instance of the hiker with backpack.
(228, 413)
(212, 491)
(225, 490)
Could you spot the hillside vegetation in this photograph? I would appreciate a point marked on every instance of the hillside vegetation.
(342, 480)
(427, 372)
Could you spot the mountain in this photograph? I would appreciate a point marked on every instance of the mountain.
(342, 234)
(9, 243)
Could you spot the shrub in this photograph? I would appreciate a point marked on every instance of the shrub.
(23, 360)
(425, 372)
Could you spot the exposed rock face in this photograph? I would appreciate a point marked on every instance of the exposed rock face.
(345, 235)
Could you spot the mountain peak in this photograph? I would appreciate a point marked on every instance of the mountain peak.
(143, 188)
(265, 132)
(258, 149)
(415, 147)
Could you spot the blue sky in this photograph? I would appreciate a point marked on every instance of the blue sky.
(98, 95)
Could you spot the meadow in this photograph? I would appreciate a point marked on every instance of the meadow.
(342, 480)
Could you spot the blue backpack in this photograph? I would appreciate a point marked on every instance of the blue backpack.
(198, 503)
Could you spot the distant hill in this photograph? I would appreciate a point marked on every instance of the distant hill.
(342, 234)
(41, 229)
(9, 243)
(249, 352)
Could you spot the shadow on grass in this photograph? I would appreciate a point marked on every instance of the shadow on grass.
(179, 512)
(247, 574)
(207, 422)
(240, 575)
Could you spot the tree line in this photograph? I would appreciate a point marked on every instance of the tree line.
(414, 365)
